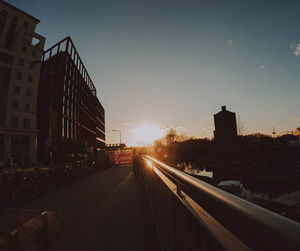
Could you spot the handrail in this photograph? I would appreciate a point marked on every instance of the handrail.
(250, 222)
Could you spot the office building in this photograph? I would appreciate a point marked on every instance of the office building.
(71, 119)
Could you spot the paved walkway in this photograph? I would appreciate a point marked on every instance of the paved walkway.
(106, 211)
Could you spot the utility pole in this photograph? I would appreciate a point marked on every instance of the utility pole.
(274, 133)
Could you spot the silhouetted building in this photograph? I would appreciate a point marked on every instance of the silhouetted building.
(297, 133)
(21, 50)
(225, 126)
(71, 119)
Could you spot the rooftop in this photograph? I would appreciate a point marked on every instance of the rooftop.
(223, 110)
(21, 11)
(67, 45)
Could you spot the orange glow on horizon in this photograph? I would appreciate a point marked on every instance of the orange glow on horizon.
(145, 135)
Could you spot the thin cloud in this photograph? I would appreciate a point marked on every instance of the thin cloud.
(295, 48)
(262, 67)
(178, 129)
(296, 119)
(181, 129)
(171, 127)
(209, 128)
(127, 124)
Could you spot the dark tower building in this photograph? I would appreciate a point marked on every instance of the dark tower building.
(70, 117)
(297, 133)
(225, 126)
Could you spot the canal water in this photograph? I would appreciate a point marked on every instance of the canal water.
(281, 198)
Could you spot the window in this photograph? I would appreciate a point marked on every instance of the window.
(34, 53)
(32, 66)
(30, 79)
(15, 104)
(19, 75)
(2, 139)
(62, 127)
(15, 139)
(17, 89)
(10, 36)
(24, 140)
(26, 123)
(3, 13)
(6, 58)
(21, 61)
(15, 19)
(4, 82)
(71, 135)
(68, 130)
(25, 24)
(28, 92)
(14, 122)
(27, 107)
(24, 49)
(2, 23)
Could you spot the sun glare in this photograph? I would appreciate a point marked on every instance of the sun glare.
(145, 134)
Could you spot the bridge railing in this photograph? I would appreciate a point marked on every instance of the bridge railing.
(190, 214)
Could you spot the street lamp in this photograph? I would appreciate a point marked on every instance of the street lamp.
(50, 117)
(120, 135)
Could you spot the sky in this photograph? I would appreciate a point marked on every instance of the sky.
(175, 63)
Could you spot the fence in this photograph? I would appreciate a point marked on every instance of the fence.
(35, 233)
(190, 214)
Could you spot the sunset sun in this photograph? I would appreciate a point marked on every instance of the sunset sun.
(145, 134)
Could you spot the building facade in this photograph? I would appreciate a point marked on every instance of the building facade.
(71, 120)
(225, 126)
(21, 49)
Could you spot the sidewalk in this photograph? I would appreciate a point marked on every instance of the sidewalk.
(107, 211)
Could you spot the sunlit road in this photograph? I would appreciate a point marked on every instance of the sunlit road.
(106, 211)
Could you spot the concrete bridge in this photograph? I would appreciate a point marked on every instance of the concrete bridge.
(166, 210)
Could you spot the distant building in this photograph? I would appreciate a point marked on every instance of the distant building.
(71, 119)
(20, 55)
(115, 146)
(225, 126)
(297, 133)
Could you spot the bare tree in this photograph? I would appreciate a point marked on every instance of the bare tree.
(170, 136)
(173, 136)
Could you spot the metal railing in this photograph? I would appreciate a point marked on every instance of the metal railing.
(35, 237)
(212, 218)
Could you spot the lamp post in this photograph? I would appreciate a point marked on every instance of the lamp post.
(50, 117)
(120, 135)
